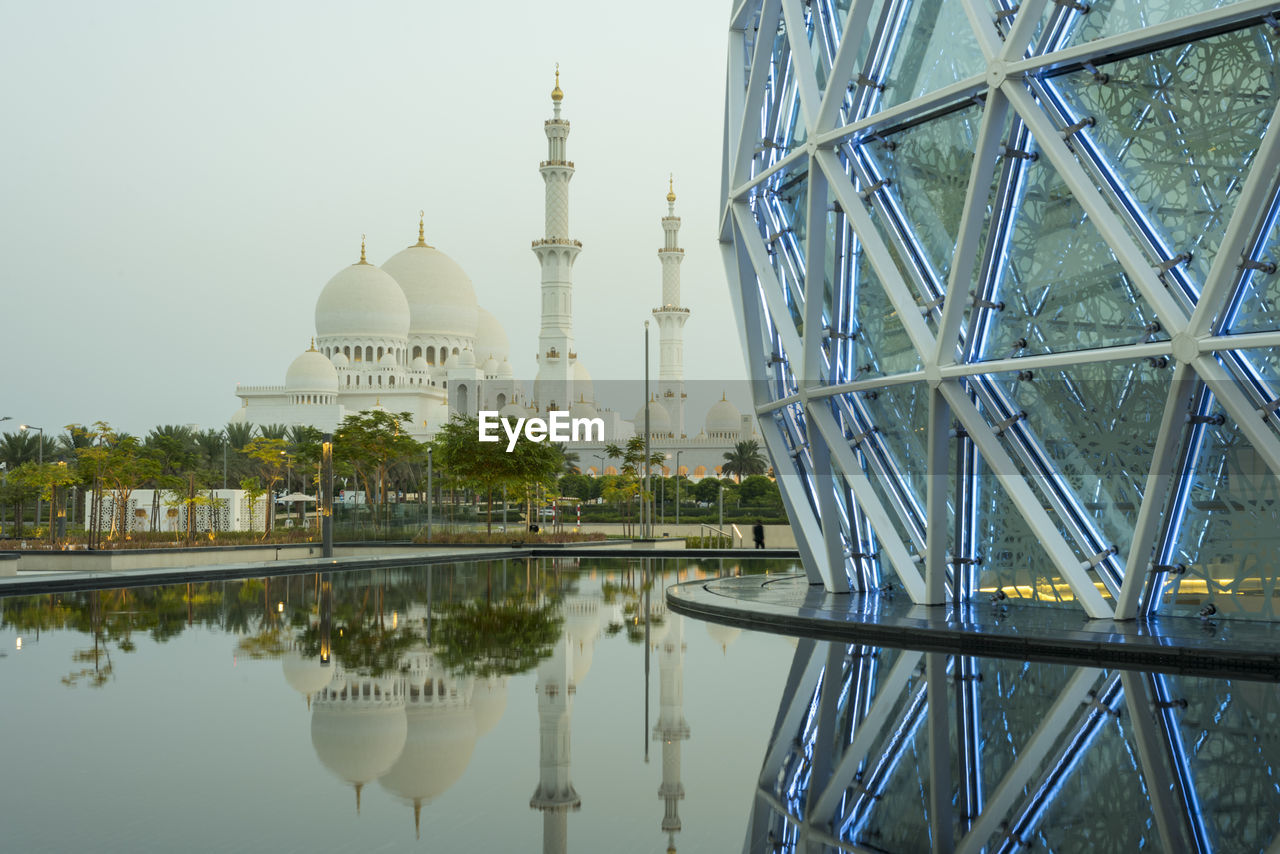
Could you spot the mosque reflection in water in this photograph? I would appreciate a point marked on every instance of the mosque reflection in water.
(887, 750)
(405, 670)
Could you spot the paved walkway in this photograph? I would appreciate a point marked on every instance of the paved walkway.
(28, 583)
(789, 605)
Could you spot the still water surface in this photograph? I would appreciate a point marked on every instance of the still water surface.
(558, 706)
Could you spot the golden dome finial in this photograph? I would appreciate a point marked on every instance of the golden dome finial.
(422, 233)
(313, 344)
(362, 259)
(556, 94)
(671, 187)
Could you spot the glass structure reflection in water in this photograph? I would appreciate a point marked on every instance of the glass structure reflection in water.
(879, 749)
(984, 269)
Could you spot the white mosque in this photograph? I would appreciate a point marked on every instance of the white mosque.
(410, 336)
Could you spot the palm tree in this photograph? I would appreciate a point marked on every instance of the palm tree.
(273, 431)
(745, 459)
(239, 434)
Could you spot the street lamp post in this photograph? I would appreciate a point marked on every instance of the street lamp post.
(601, 458)
(326, 495)
(645, 522)
(430, 494)
(39, 461)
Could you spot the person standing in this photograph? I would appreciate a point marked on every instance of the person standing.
(758, 533)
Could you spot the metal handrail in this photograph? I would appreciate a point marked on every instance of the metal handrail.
(734, 538)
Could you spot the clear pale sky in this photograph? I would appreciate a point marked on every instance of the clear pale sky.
(180, 180)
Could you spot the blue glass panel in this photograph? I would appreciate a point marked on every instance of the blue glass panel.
(901, 415)
(935, 48)
(1227, 536)
(1256, 307)
(1111, 17)
(1060, 287)
(928, 167)
(1097, 422)
(1180, 126)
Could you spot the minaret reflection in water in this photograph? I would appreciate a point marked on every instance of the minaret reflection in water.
(937, 752)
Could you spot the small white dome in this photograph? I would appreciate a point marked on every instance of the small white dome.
(357, 740)
(491, 338)
(582, 409)
(582, 384)
(419, 364)
(304, 675)
(467, 359)
(659, 420)
(723, 417)
(439, 295)
(388, 360)
(340, 359)
(437, 750)
(362, 300)
(504, 370)
(490, 366)
(513, 411)
(313, 372)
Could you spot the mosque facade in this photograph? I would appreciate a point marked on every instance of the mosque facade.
(410, 336)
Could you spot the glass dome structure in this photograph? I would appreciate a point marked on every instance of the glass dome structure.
(1007, 279)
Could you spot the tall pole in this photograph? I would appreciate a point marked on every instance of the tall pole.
(326, 495)
(677, 487)
(430, 496)
(644, 500)
(224, 459)
(40, 443)
(720, 499)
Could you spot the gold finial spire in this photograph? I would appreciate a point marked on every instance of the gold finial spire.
(671, 187)
(362, 259)
(313, 344)
(556, 94)
(422, 234)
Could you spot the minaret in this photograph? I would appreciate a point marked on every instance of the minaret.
(671, 728)
(671, 319)
(556, 253)
(555, 795)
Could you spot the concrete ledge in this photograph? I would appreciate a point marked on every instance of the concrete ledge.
(790, 605)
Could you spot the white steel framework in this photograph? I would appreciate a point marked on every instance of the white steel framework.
(1007, 278)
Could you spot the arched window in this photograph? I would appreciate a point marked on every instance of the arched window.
(462, 398)
(391, 381)
(379, 354)
(348, 380)
(700, 471)
(357, 382)
(346, 351)
(431, 355)
(417, 351)
(611, 470)
(455, 351)
(444, 355)
(368, 354)
(379, 379)
(502, 400)
(359, 356)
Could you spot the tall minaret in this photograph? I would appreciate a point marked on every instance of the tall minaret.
(671, 728)
(556, 253)
(671, 318)
(555, 796)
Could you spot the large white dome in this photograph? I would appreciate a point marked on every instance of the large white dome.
(441, 298)
(491, 338)
(659, 420)
(362, 301)
(723, 417)
(311, 371)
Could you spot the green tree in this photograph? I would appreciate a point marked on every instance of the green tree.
(487, 466)
(372, 442)
(272, 459)
(745, 459)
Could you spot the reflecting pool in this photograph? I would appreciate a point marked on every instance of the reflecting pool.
(514, 705)
(556, 705)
